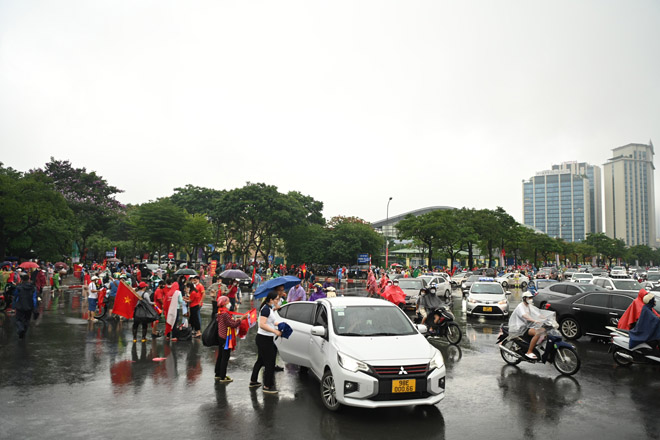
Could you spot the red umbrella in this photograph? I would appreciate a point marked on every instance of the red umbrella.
(29, 265)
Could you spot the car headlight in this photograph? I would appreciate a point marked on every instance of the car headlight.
(472, 301)
(502, 303)
(350, 364)
(437, 361)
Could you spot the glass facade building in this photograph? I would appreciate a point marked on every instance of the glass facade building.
(557, 202)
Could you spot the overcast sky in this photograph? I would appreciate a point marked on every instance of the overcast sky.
(351, 102)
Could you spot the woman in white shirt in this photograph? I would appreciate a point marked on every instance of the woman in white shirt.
(266, 350)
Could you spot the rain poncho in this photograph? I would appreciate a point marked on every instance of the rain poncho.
(631, 315)
(647, 327)
(429, 301)
(527, 316)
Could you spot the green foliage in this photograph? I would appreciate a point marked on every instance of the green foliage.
(33, 216)
(160, 224)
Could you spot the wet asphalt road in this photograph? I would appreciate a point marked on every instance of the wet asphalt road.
(76, 380)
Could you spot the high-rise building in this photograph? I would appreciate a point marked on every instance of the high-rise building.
(592, 172)
(557, 202)
(630, 195)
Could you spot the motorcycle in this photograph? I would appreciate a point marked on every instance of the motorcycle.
(557, 352)
(625, 356)
(444, 327)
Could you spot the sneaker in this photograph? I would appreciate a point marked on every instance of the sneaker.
(278, 368)
(271, 390)
(225, 379)
(531, 356)
(144, 340)
(255, 384)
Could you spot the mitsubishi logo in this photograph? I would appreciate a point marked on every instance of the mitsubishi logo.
(402, 371)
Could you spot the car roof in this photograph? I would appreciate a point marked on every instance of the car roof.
(571, 299)
(347, 301)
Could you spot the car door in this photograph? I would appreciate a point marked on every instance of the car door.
(592, 312)
(299, 316)
(318, 345)
(618, 305)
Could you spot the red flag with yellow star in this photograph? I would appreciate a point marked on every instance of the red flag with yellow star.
(125, 301)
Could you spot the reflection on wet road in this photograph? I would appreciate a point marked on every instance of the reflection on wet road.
(75, 379)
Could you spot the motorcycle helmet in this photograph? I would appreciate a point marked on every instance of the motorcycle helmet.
(527, 295)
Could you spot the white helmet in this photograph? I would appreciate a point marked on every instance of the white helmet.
(527, 294)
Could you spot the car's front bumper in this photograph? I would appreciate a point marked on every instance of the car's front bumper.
(375, 392)
(480, 309)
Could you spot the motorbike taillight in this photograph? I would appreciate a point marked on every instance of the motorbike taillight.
(547, 306)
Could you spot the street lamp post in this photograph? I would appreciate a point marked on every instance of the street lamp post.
(387, 241)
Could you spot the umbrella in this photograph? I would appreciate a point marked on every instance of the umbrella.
(288, 281)
(29, 265)
(60, 264)
(396, 265)
(113, 260)
(185, 271)
(5, 263)
(234, 273)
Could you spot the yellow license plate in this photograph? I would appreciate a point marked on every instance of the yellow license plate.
(404, 386)
(488, 309)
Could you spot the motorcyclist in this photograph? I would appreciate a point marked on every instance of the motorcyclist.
(427, 302)
(631, 315)
(647, 328)
(527, 319)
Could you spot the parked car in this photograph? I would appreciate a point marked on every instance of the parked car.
(487, 298)
(628, 285)
(365, 352)
(598, 272)
(588, 313)
(550, 273)
(442, 285)
(485, 272)
(513, 279)
(458, 278)
(562, 290)
(652, 280)
(584, 278)
(411, 287)
(568, 273)
(619, 271)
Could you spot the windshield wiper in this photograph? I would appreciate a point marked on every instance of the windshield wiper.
(383, 334)
(351, 334)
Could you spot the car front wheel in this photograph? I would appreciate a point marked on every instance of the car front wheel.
(569, 328)
(328, 391)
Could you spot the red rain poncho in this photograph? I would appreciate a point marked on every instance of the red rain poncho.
(631, 315)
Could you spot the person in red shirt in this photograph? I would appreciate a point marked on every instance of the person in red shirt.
(159, 298)
(200, 288)
(231, 294)
(195, 302)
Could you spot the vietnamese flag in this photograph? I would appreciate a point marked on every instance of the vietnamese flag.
(125, 301)
(254, 271)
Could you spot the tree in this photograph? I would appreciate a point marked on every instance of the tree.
(87, 194)
(33, 216)
(196, 234)
(422, 229)
(349, 239)
(160, 224)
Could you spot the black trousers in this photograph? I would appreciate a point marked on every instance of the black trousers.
(222, 360)
(194, 319)
(22, 322)
(136, 324)
(265, 358)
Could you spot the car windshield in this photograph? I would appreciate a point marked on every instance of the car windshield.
(627, 285)
(493, 288)
(408, 283)
(371, 321)
(474, 278)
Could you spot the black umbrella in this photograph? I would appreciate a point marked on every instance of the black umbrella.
(234, 273)
(186, 271)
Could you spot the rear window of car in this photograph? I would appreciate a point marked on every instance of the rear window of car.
(653, 277)
(559, 288)
(474, 278)
(620, 302)
(301, 312)
(626, 285)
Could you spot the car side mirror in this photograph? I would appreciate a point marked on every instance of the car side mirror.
(508, 292)
(319, 330)
(608, 287)
(421, 328)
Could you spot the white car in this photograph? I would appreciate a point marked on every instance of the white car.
(513, 279)
(619, 271)
(487, 298)
(442, 285)
(365, 352)
(584, 278)
(628, 284)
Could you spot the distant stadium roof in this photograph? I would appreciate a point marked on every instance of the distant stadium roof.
(397, 218)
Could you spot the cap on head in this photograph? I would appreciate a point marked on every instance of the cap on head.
(142, 285)
(648, 297)
(527, 294)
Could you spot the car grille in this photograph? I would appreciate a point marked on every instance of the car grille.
(393, 371)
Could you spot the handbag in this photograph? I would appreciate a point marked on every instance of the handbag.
(145, 312)
(210, 336)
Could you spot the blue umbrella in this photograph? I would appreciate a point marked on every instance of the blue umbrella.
(288, 281)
